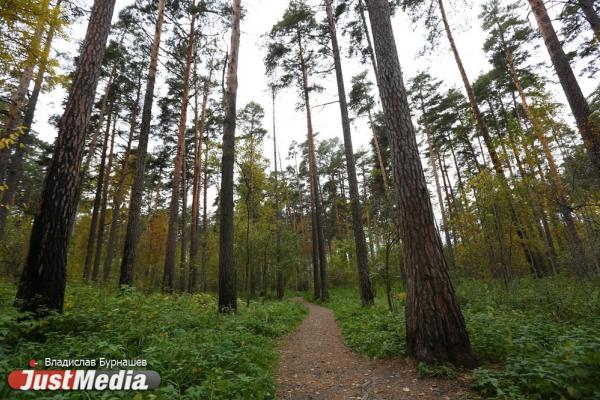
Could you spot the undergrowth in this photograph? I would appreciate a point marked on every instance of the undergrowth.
(198, 353)
(538, 340)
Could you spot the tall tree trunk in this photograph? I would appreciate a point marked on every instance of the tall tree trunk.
(103, 205)
(314, 246)
(15, 168)
(589, 128)
(367, 34)
(227, 281)
(249, 217)
(137, 189)
(43, 281)
(89, 253)
(435, 328)
(118, 197)
(91, 148)
(18, 98)
(196, 188)
(366, 292)
(183, 260)
(169, 270)
(204, 243)
(247, 258)
(314, 183)
(279, 268)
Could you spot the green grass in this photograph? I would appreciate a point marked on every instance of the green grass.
(538, 340)
(198, 353)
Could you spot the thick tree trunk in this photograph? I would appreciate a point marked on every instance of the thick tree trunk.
(15, 168)
(89, 253)
(589, 128)
(118, 197)
(169, 270)
(227, 281)
(367, 34)
(43, 280)
(366, 291)
(103, 205)
(435, 328)
(137, 189)
(314, 184)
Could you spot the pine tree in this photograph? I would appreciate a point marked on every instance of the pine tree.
(357, 214)
(227, 279)
(435, 327)
(137, 189)
(43, 281)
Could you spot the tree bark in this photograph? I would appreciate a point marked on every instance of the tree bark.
(588, 126)
(227, 280)
(366, 291)
(363, 19)
(137, 189)
(43, 281)
(435, 328)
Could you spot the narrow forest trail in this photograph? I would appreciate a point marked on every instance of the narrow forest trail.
(315, 364)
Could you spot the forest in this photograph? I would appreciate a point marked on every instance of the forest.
(278, 199)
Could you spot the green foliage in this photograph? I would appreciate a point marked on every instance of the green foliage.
(435, 371)
(373, 331)
(198, 353)
(536, 340)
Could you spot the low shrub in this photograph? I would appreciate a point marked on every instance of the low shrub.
(199, 353)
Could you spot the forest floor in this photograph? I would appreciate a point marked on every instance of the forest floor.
(315, 364)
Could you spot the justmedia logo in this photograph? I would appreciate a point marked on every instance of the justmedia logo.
(82, 379)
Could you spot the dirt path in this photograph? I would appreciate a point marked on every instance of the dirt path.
(315, 364)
